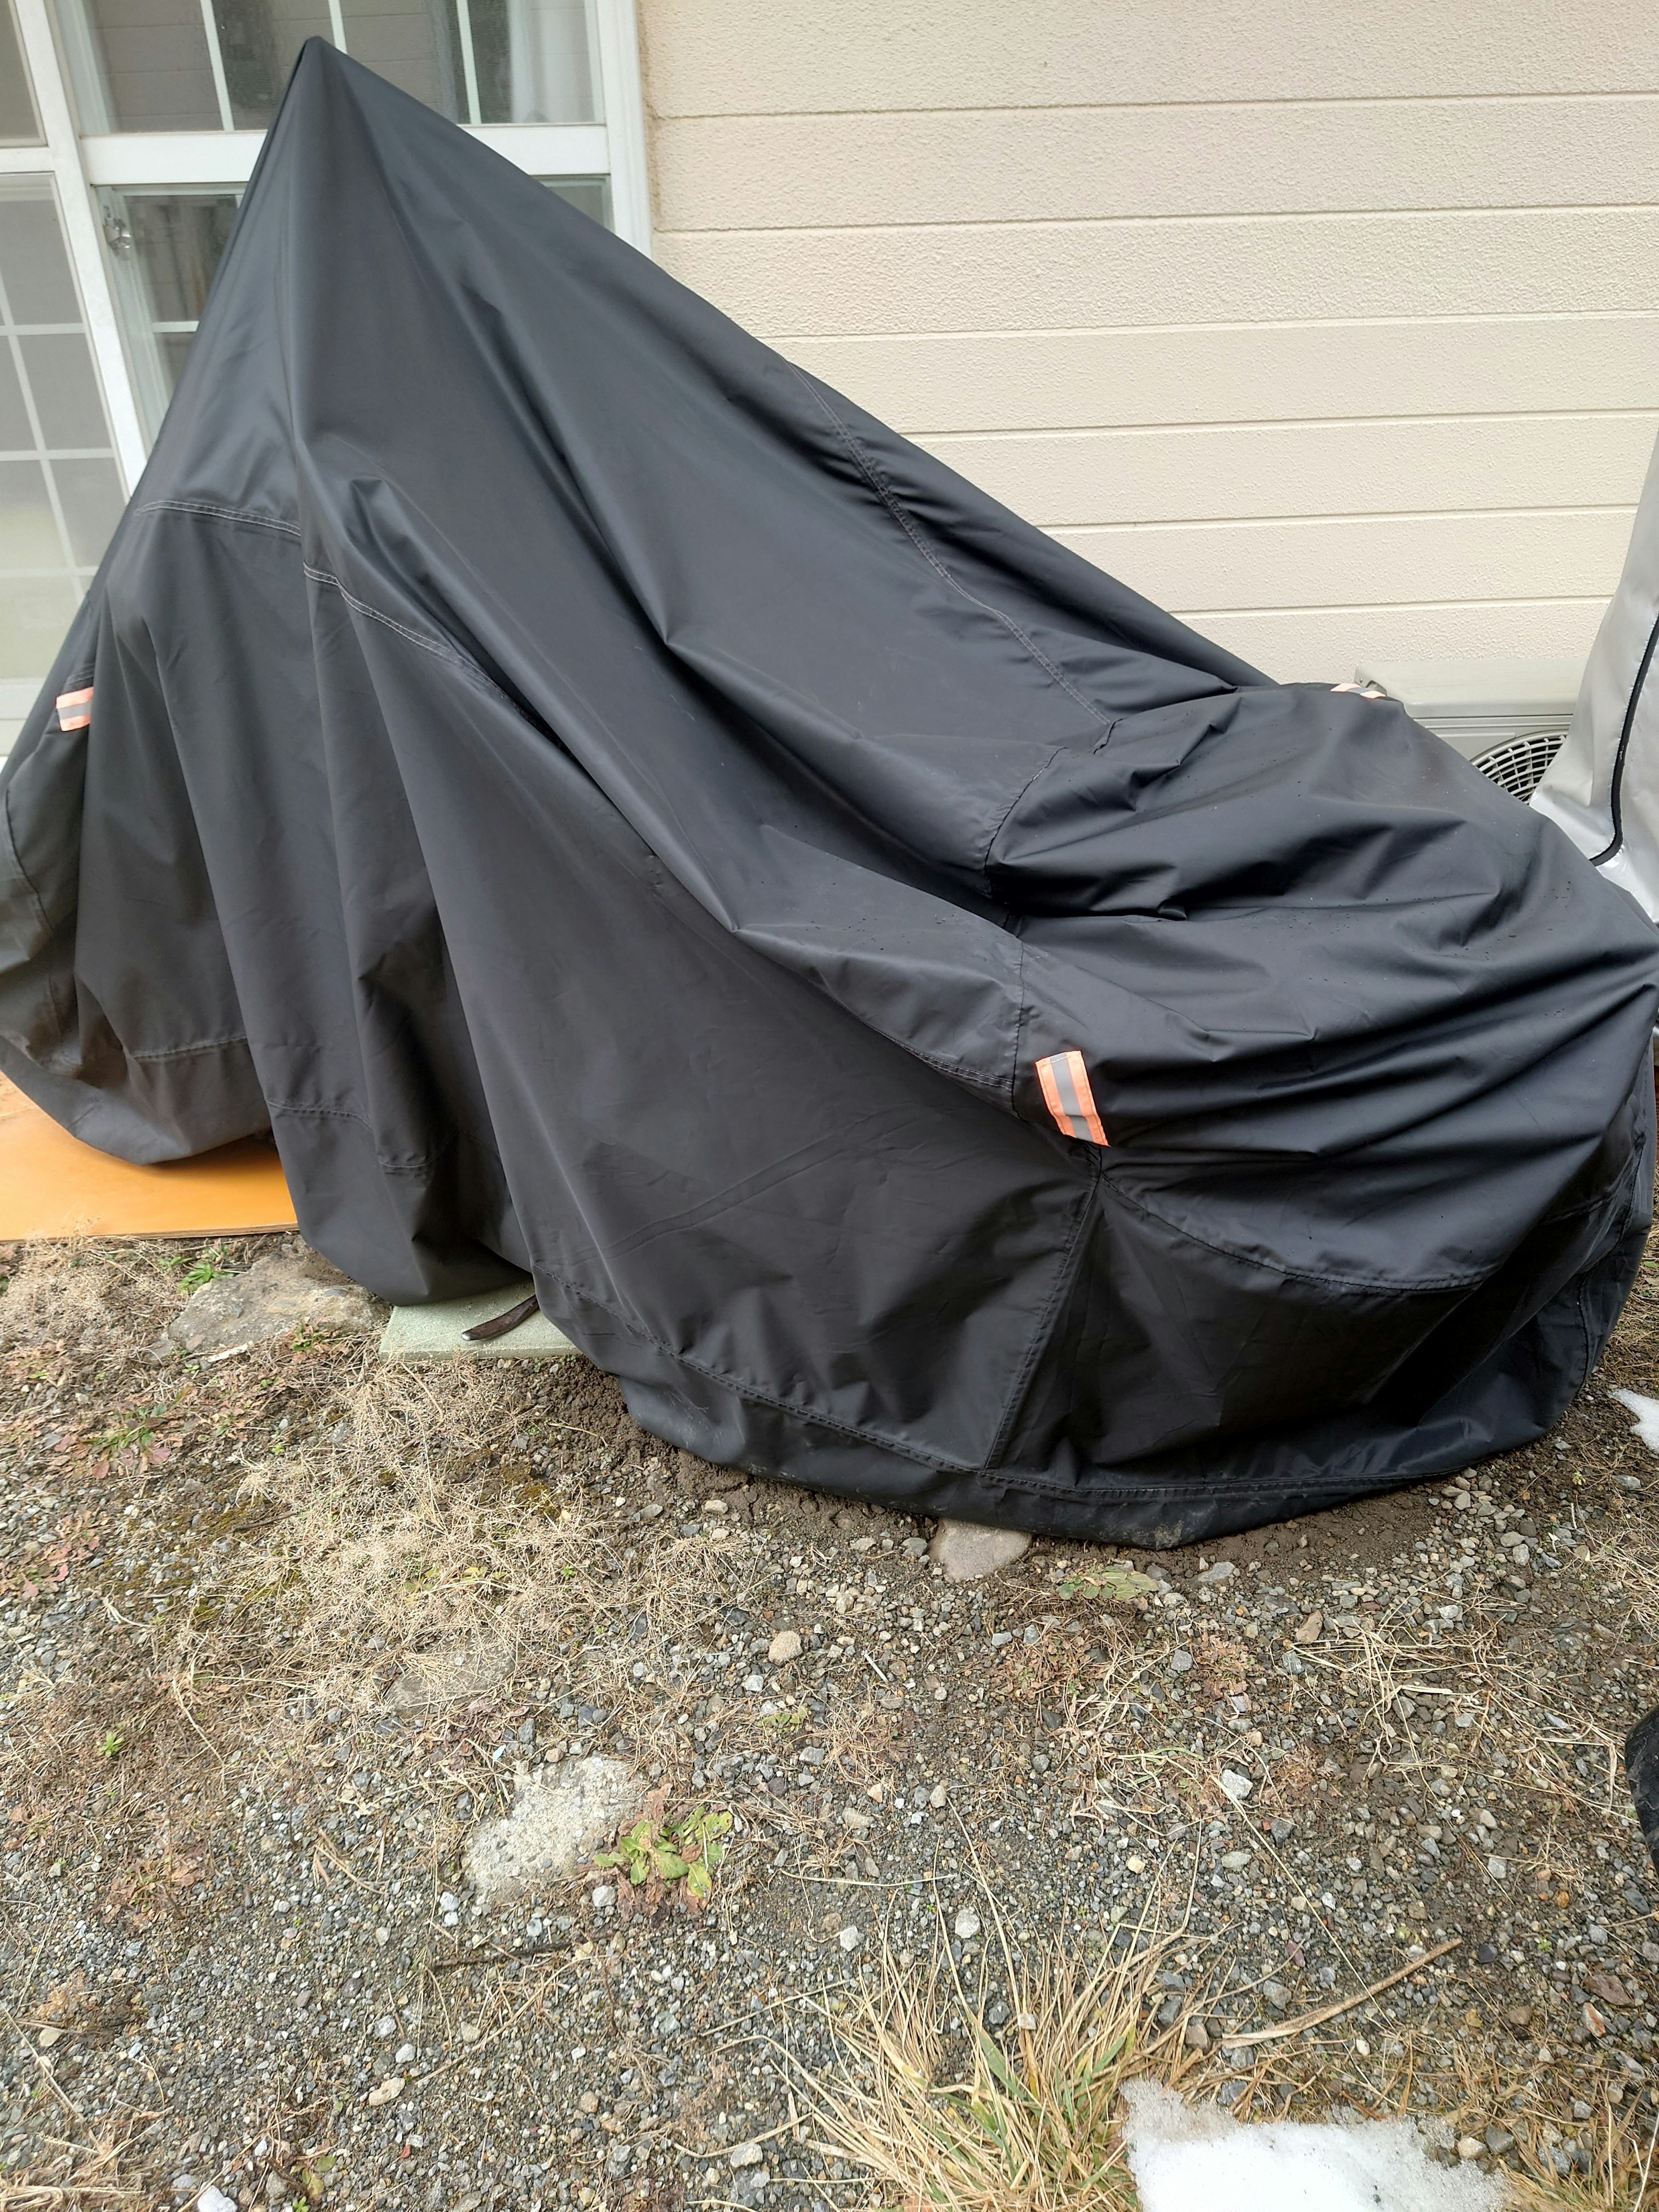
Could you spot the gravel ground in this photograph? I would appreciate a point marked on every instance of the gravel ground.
(233, 1913)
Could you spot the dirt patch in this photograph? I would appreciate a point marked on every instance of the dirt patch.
(279, 1633)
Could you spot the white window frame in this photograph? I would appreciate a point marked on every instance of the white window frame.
(186, 160)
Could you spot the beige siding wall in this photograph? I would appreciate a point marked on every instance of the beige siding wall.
(1333, 327)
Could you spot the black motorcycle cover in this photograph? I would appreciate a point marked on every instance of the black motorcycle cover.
(935, 1027)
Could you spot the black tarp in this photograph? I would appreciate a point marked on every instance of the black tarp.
(611, 806)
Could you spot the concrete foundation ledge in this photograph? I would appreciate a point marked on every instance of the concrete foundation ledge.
(438, 1332)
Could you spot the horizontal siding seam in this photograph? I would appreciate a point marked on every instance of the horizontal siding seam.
(666, 119)
(1121, 222)
(1365, 515)
(951, 438)
(1190, 219)
(1384, 606)
(1006, 334)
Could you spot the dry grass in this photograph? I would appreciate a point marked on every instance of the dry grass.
(410, 1551)
(961, 2120)
(90, 1296)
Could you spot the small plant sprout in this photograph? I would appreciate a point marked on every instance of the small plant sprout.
(688, 1851)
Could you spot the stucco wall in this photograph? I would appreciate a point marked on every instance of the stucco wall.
(1333, 327)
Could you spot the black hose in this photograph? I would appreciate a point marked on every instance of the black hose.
(1616, 792)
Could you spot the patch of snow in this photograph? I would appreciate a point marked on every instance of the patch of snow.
(1646, 1410)
(1191, 2159)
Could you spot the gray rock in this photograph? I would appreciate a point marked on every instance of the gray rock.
(747, 2154)
(784, 1647)
(560, 1814)
(275, 1296)
(968, 1552)
(1180, 1663)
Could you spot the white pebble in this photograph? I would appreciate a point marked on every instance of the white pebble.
(849, 1939)
(966, 1924)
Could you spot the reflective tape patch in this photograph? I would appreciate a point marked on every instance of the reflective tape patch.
(1064, 1082)
(73, 709)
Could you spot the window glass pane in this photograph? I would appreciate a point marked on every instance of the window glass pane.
(141, 65)
(34, 613)
(32, 262)
(164, 249)
(535, 61)
(260, 41)
(174, 239)
(28, 528)
(15, 434)
(56, 508)
(158, 65)
(413, 43)
(89, 493)
(591, 194)
(19, 126)
(61, 377)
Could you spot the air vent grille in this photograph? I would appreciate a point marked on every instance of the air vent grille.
(1518, 766)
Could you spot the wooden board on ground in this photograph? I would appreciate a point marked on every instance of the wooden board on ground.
(52, 1185)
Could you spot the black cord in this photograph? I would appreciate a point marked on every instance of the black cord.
(1615, 791)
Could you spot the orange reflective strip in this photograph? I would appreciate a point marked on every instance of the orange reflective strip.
(1045, 1069)
(1085, 1096)
(1065, 1092)
(73, 709)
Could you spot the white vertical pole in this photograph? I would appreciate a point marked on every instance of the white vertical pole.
(216, 62)
(624, 118)
(336, 25)
(469, 62)
(81, 226)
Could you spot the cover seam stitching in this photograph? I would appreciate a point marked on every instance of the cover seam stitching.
(895, 506)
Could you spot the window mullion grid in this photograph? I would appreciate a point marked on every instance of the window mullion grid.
(15, 346)
(84, 235)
